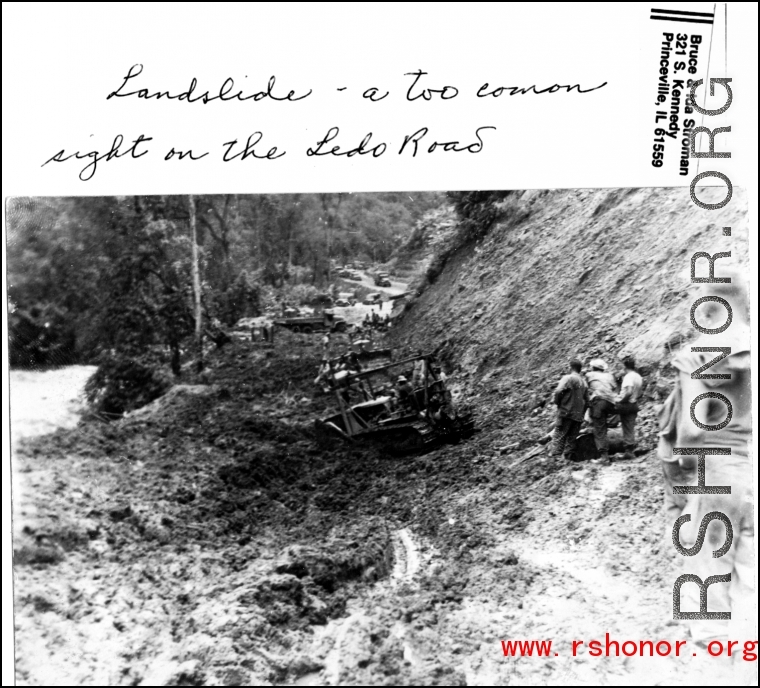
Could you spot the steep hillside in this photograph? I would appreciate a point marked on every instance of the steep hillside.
(430, 233)
(211, 539)
(573, 272)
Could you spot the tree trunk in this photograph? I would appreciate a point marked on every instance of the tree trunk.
(291, 246)
(176, 361)
(196, 287)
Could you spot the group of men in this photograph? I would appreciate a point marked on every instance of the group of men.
(375, 321)
(440, 404)
(595, 397)
(345, 365)
(337, 370)
(705, 428)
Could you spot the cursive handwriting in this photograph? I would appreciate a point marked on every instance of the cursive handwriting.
(249, 149)
(515, 90)
(226, 91)
(420, 88)
(448, 146)
(88, 171)
(445, 93)
(362, 149)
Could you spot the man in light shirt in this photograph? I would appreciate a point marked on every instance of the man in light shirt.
(627, 404)
(602, 388)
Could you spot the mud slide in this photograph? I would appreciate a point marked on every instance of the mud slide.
(216, 543)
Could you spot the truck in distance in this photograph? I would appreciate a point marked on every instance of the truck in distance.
(324, 322)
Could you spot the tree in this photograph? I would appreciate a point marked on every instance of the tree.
(116, 273)
(330, 218)
(477, 210)
(196, 286)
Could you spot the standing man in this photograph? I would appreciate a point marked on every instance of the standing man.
(353, 358)
(326, 345)
(325, 376)
(404, 392)
(627, 404)
(570, 397)
(602, 391)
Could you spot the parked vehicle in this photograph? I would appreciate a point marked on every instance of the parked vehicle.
(382, 280)
(372, 299)
(342, 303)
(314, 323)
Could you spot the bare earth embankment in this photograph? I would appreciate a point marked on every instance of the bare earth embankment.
(212, 541)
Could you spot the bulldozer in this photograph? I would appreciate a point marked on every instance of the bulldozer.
(416, 418)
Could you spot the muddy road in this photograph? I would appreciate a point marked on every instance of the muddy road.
(44, 401)
(368, 281)
(211, 541)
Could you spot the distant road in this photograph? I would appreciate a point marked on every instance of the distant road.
(354, 315)
(368, 281)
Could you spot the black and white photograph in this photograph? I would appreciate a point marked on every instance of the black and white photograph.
(362, 344)
(328, 439)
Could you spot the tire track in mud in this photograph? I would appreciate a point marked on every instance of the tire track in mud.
(341, 645)
(406, 556)
(407, 563)
(334, 661)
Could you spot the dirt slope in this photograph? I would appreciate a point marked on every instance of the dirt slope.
(574, 272)
(214, 542)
